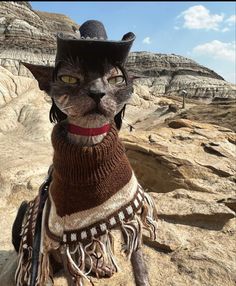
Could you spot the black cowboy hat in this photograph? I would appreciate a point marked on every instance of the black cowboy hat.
(90, 43)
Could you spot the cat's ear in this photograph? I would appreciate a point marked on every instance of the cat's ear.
(43, 75)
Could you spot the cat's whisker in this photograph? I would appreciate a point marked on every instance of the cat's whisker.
(64, 108)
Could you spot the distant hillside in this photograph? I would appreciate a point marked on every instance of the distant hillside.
(28, 35)
(171, 74)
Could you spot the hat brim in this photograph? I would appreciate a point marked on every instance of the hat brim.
(115, 52)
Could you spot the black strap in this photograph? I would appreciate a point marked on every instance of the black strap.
(43, 193)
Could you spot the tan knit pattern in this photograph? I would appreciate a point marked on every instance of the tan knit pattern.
(85, 218)
(85, 177)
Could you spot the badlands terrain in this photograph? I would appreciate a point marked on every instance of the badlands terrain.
(185, 157)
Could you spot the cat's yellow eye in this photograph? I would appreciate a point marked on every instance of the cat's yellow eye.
(69, 79)
(116, 80)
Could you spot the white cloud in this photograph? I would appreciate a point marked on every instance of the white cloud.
(217, 50)
(231, 20)
(147, 41)
(225, 30)
(176, 28)
(199, 17)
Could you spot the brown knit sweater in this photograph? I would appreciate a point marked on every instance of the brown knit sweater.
(85, 177)
(93, 191)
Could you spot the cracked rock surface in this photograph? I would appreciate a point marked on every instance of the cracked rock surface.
(187, 165)
(184, 157)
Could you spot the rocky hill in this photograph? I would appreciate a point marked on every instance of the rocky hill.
(28, 35)
(170, 74)
(185, 157)
(154, 65)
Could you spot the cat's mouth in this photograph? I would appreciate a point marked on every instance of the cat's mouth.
(95, 111)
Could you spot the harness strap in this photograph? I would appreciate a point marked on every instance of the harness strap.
(43, 195)
(28, 256)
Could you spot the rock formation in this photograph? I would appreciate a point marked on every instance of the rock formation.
(28, 35)
(187, 166)
(171, 74)
(184, 157)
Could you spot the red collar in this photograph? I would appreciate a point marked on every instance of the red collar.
(74, 129)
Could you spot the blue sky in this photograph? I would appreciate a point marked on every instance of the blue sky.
(202, 31)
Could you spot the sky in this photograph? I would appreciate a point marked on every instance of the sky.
(202, 31)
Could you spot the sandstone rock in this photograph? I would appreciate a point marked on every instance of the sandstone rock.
(179, 123)
(22, 106)
(57, 22)
(168, 239)
(180, 207)
(229, 202)
(171, 74)
(28, 35)
(149, 64)
(196, 229)
(178, 160)
(8, 270)
(24, 126)
(201, 86)
(186, 159)
(221, 113)
(205, 261)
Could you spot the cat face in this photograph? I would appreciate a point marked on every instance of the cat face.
(90, 93)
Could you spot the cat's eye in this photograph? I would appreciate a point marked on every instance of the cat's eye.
(69, 79)
(116, 80)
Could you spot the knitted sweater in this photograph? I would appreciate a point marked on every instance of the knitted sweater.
(85, 177)
(93, 191)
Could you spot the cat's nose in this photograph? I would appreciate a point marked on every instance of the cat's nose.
(96, 95)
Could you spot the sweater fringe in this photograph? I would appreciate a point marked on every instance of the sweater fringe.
(81, 259)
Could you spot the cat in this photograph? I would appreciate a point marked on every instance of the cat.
(88, 101)
(89, 96)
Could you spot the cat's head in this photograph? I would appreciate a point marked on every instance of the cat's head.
(89, 84)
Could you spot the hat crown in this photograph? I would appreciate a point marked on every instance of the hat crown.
(93, 29)
(90, 43)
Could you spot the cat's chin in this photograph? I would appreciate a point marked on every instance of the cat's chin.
(98, 110)
(95, 116)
